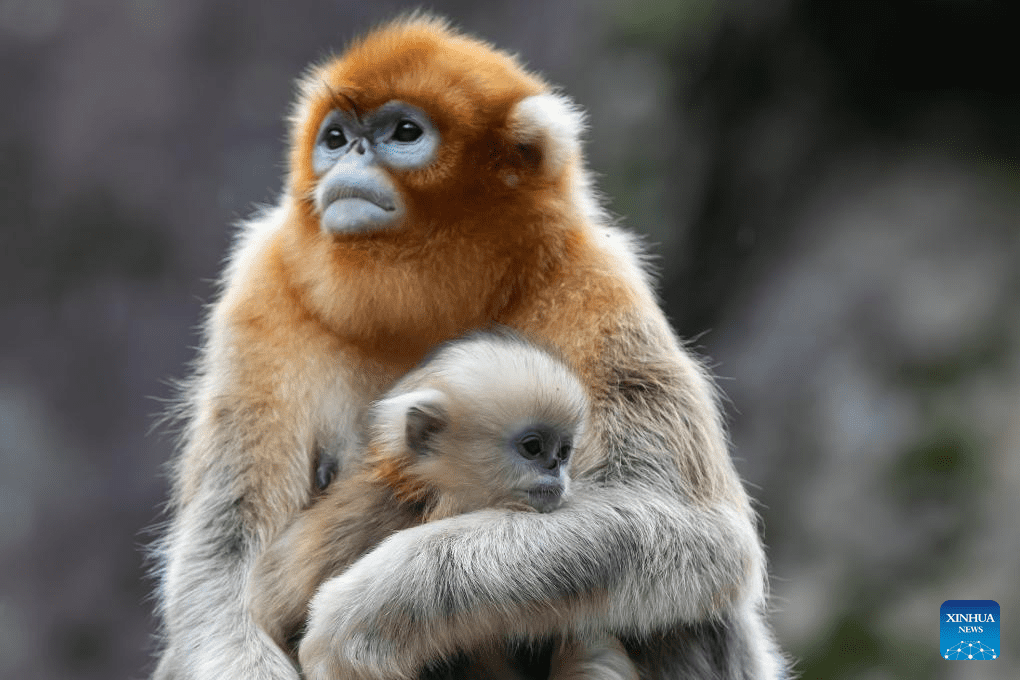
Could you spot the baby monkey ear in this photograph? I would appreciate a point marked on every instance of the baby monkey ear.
(424, 420)
(546, 130)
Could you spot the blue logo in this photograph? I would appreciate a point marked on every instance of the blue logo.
(969, 630)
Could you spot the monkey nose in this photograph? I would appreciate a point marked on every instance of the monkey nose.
(359, 146)
(549, 461)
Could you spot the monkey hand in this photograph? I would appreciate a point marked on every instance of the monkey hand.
(347, 638)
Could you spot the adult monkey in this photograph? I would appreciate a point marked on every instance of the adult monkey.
(435, 187)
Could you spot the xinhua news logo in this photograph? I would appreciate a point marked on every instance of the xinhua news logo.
(969, 630)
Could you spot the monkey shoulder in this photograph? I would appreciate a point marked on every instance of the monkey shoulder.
(598, 309)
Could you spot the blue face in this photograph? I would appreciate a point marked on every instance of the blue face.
(353, 156)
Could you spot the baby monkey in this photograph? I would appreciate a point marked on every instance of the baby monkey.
(488, 421)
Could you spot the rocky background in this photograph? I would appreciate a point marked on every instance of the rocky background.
(831, 191)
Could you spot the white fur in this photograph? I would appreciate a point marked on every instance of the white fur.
(390, 415)
(554, 123)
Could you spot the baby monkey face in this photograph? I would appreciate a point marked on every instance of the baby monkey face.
(546, 449)
(479, 463)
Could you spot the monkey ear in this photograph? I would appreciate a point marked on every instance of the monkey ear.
(424, 420)
(546, 129)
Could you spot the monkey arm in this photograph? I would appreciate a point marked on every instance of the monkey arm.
(253, 412)
(240, 479)
(209, 553)
(244, 469)
(606, 561)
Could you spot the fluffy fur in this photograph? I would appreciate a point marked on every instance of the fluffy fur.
(480, 393)
(658, 545)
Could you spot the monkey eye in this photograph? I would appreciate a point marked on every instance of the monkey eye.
(530, 445)
(407, 131)
(334, 137)
(564, 451)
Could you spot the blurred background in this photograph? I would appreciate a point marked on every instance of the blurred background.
(831, 191)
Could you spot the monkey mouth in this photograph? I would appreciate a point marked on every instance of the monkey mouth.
(373, 187)
(545, 497)
(363, 208)
(379, 199)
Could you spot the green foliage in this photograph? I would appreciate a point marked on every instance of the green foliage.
(852, 646)
(665, 24)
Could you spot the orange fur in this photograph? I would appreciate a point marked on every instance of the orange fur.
(502, 227)
(391, 471)
(470, 247)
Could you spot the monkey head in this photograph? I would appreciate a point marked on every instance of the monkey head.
(433, 181)
(485, 422)
(416, 126)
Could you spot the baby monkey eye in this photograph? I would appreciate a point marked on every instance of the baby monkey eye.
(334, 137)
(407, 131)
(530, 445)
(564, 451)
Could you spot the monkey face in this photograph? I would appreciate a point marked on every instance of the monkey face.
(354, 157)
(474, 467)
(470, 457)
(411, 127)
(547, 450)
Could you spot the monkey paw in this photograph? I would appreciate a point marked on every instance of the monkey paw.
(355, 629)
(334, 656)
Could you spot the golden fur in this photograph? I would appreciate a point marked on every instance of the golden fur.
(659, 545)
